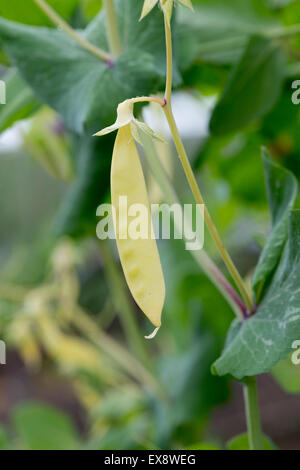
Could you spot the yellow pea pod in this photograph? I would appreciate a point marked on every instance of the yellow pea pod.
(139, 257)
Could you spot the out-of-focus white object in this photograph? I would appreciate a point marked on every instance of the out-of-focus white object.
(191, 114)
(11, 139)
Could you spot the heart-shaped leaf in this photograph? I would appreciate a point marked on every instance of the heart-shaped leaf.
(255, 345)
(76, 83)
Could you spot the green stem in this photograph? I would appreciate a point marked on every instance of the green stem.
(208, 220)
(149, 99)
(252, 414)
(112, 28)
(123, 305)
(60, 23)
(191, 177)
(169, 55)
(201, 257)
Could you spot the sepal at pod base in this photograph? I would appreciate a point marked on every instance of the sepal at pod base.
(166, 6)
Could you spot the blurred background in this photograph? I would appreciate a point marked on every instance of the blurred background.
(79, 373)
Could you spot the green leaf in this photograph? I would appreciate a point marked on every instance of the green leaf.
(241, 442)
(253, 88)
(146, 36)
(20, 101)
(287, 375)
(77, 215)
(41, 427)
(282, 191)
(217, 31)
(28, 12)
(255, 345)
(76, 83)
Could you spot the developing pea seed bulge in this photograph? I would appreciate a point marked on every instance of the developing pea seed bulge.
(140, 258)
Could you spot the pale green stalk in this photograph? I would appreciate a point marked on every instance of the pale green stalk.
(252, 414)
(112, 28)
(191, 177)
(201, 257)
(61, 23)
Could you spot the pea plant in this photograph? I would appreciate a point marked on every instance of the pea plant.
(134, 54)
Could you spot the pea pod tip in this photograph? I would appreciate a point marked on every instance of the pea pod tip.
(153, 334)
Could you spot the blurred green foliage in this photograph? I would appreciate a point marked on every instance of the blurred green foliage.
(242, 443)
(221, 53)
